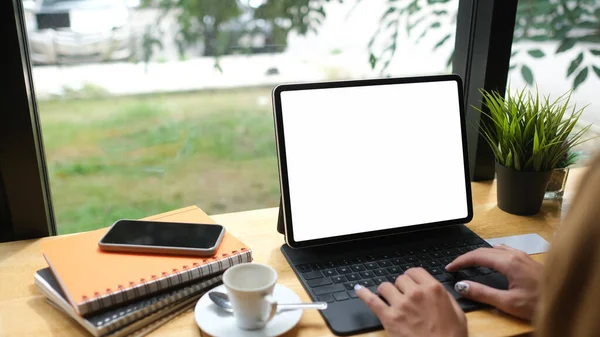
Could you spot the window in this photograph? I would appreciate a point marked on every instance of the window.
(556, 49)
(145, 106)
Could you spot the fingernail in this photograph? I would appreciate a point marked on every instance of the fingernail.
(497, 245)
(448, 265)
(461, 287)
(357, 287)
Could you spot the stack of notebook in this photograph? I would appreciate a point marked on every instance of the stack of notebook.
(117, 294)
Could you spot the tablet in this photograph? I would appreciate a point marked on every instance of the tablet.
(366, 158)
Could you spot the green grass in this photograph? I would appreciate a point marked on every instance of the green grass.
(131, 157)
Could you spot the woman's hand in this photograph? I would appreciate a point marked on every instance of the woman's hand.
(419, 306)
(523, 273)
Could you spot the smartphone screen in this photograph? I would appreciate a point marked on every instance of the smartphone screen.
(163, 234)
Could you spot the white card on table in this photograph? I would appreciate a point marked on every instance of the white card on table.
(529, 243)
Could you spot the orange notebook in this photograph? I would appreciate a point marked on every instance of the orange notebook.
(94, 280)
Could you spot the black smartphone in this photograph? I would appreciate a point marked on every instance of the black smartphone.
(156, 237)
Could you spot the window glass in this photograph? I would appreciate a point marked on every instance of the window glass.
(152, 105)
(556, 49)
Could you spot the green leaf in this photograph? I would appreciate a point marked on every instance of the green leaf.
(580, 78)
(512, 67)
(442, 41)
(536, 53)
(565, 45)
(372, 60)
(389, 11)
(527, 74)
(514, 53)
(596, 70)
(574, 64)
(440, 12)
(435, 25)
(595, 52)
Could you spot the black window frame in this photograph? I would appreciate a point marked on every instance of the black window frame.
(25, 203)
(484, 30)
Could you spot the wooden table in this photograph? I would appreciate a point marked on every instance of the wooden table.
(23, 311)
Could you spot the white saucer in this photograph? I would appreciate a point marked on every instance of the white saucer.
(218, 323)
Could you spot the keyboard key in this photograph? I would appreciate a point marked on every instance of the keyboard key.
(423, 257)
(330, 264)
(394, 270)
(421, 264)
(463, 250)
(380, 272)
(436, 248)
(357, 259)
(350, 285)
(341, 296)
(411, 259)
(357, 267)
(460, 244)
(379, 280)
(328, 289)
(384, 263)
(312, 275)
(470, 272)
(451, 252)
(433, 263)
(344, 270)
(434, 270)
(445, 261)
(371, 265)
(319, 282)
(353, 277)
(326, 298)
(366, 274)
(370, 257)
(410, 251)
(483, 270)
(317, 266)
(392, 278)
(443, 277)
(423, 250)
(407, 266)
(338, 279)
(436, 255)
(330, 272)
(366, 283)
(398, 261)
(384, 256)
(303, 268)
(472, 247)
(352, 293)
(343, 262)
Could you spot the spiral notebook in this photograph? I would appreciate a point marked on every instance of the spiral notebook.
(127, 318)
(93, 280)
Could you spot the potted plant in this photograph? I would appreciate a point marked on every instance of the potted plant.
(529, 136)
(558, 178)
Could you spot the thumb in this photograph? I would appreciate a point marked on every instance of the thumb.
(482, 293)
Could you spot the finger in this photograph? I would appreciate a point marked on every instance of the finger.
(391, 294)
(372, 301)
(482, 293)
(419, 275)
(455, 305)
(485, 257)
(405, 283)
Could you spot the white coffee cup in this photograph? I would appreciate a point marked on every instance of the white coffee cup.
(250, 289)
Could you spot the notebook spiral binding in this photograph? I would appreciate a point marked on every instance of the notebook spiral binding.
(153, 284)
(108, 324)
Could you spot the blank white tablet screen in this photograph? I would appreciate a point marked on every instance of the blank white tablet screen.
(368, 158)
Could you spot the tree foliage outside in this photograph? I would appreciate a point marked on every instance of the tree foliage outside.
(571, 23)
(220, 24)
